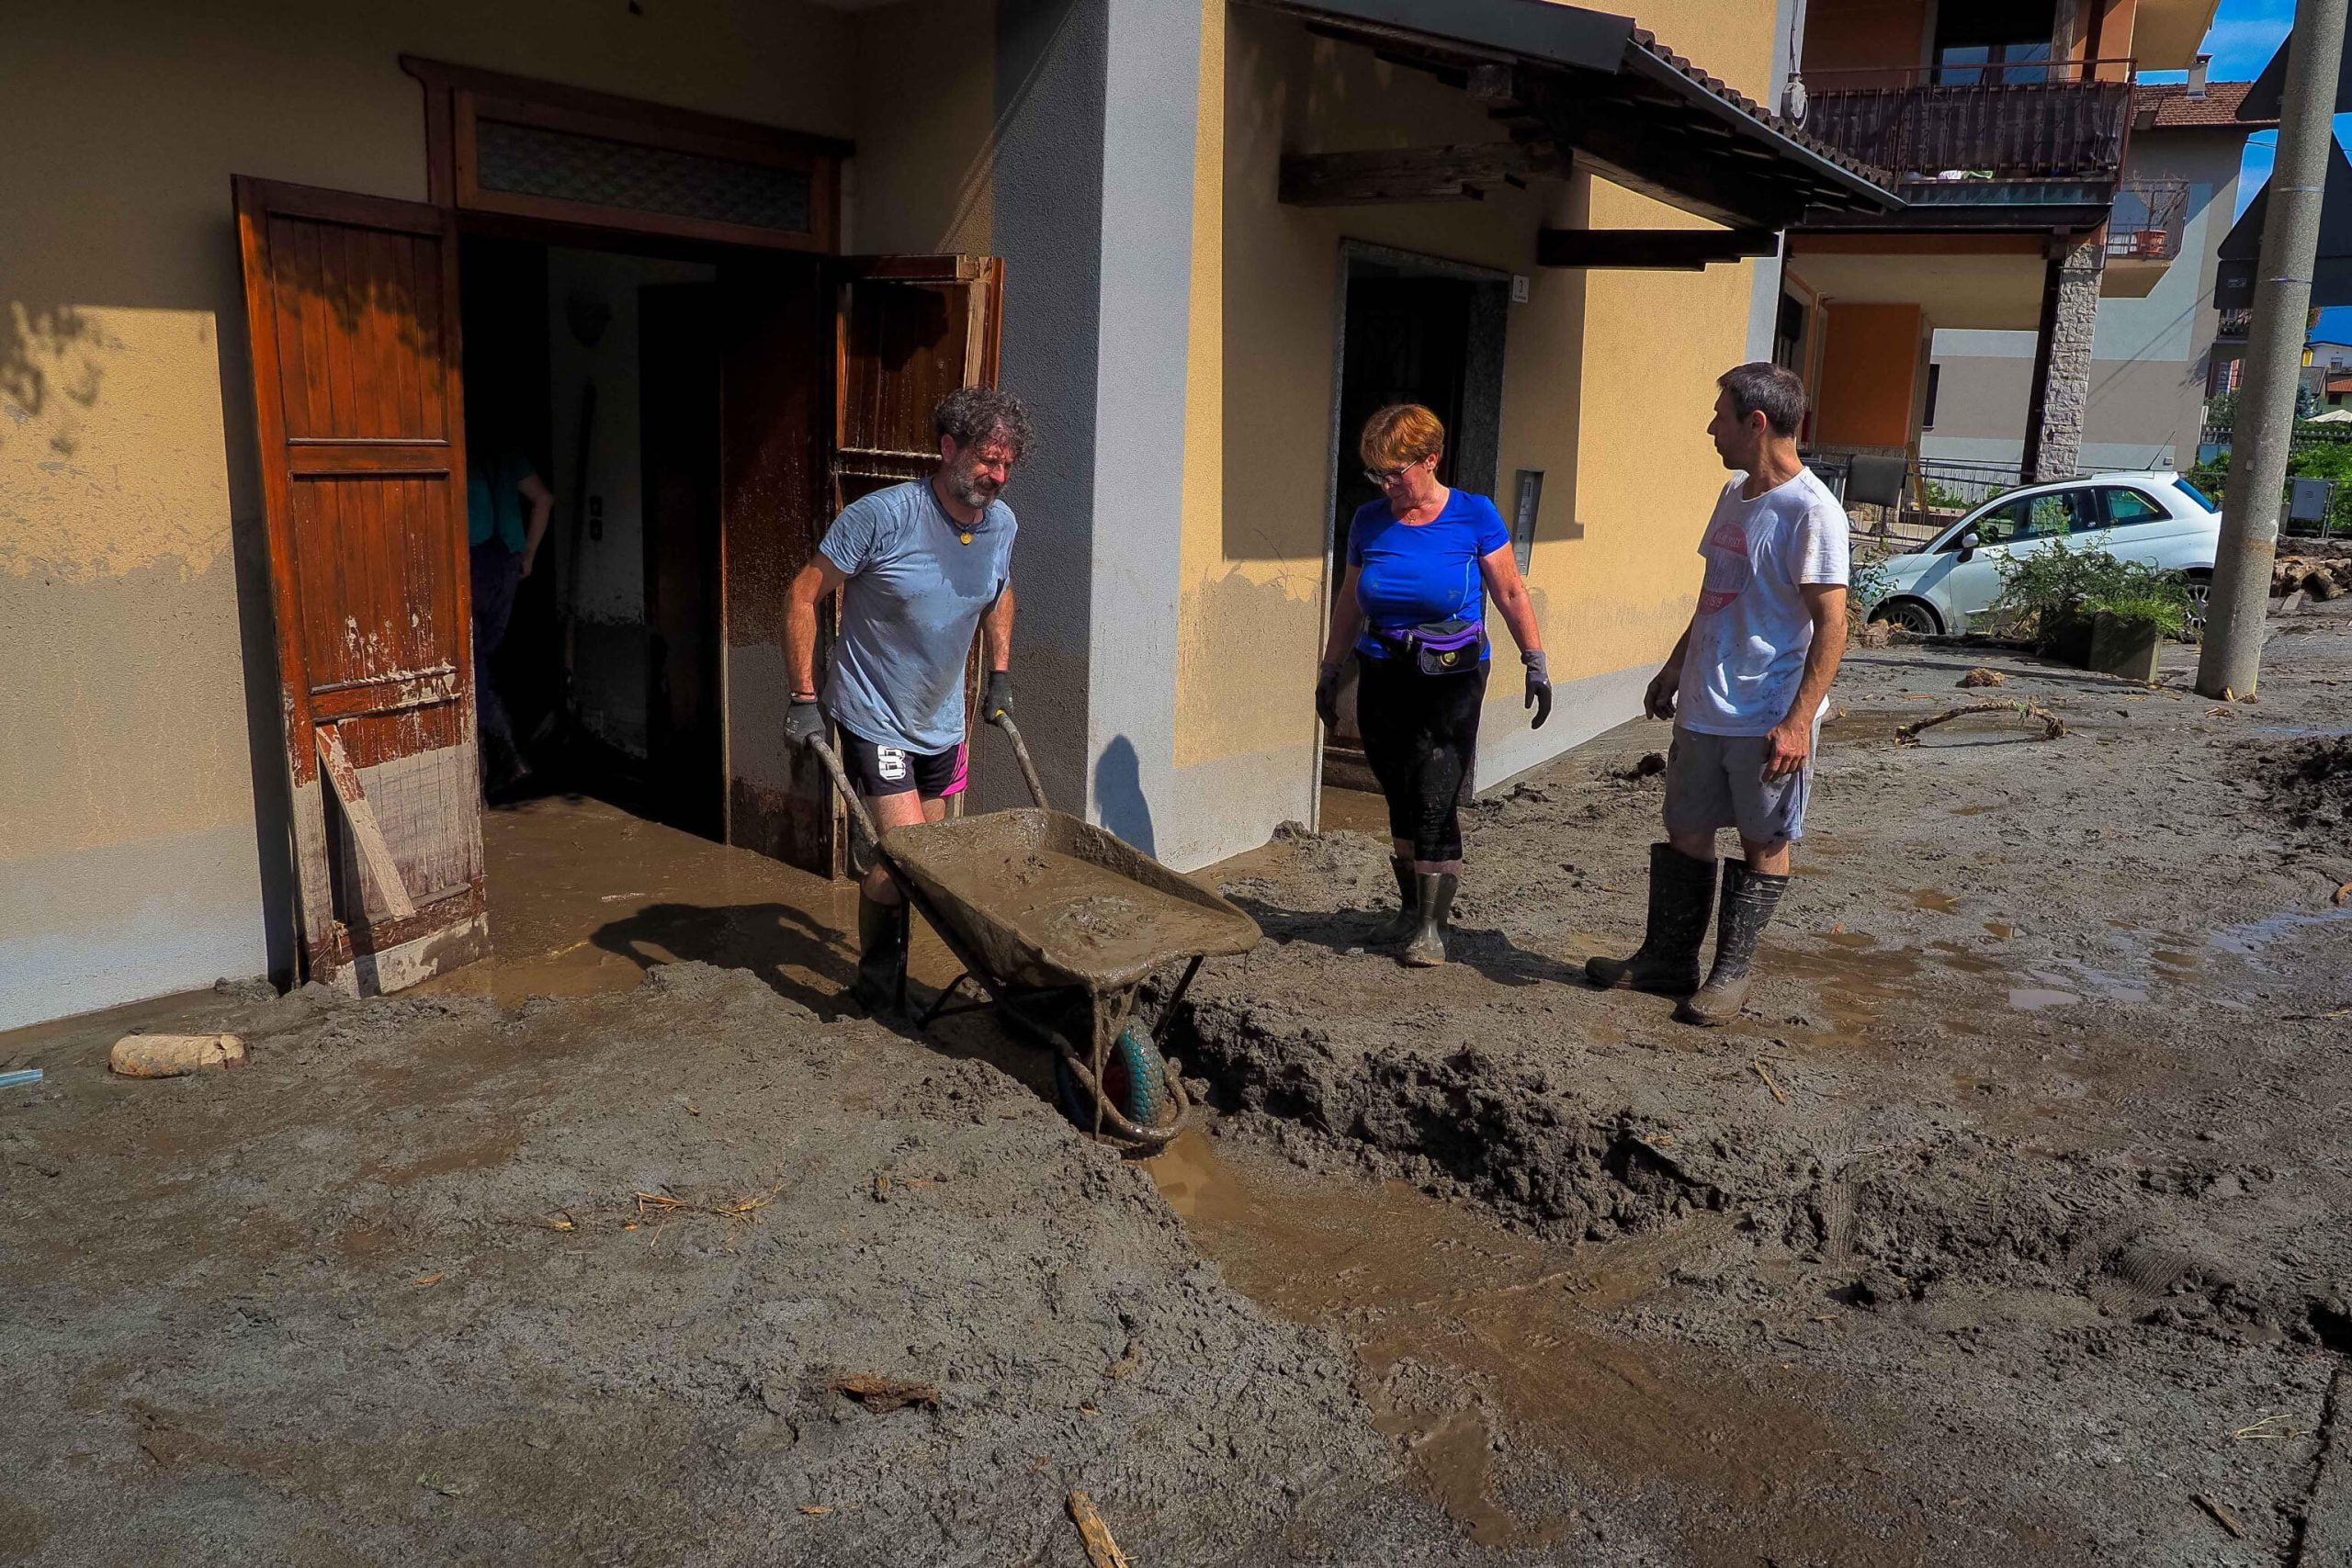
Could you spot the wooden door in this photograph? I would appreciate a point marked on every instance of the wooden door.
(351, 303)
(829, 384)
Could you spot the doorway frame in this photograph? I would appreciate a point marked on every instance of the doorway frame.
(1483, 371)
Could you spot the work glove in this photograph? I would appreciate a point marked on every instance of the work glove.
(1327, 693)
(1539, 687)
(996, 698)
(804, 722)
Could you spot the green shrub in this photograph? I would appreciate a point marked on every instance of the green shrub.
(1868, 583)
(2046, 594)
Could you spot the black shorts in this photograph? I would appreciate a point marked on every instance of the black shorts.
(876, 771)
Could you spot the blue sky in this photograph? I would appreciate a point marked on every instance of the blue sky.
(2245, 34)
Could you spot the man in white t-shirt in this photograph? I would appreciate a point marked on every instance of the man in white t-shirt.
(1746, 688)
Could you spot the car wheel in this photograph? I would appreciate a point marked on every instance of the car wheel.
(1910, 614)
(2201, 596)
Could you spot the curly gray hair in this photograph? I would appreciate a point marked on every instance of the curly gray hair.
(974, 414)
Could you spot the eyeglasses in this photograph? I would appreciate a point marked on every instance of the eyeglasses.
(1384, 477)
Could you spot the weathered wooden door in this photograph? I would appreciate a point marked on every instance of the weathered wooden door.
(351, 303)
(828, 385)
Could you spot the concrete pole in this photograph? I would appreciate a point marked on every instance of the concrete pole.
(2230, 661)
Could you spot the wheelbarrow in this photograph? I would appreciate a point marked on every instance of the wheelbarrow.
(1059, 924)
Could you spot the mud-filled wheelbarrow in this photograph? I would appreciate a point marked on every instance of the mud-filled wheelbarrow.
(1060, 925)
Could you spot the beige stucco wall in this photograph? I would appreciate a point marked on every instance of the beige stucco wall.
(141, 832)
(1609, 379)
(923, 182)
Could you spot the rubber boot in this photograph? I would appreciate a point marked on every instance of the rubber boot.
(881, 956)
(1435, 892)
(1408, 918)
(1750, 899)
(1683, 896)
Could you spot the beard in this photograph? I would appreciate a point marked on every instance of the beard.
(971, 489)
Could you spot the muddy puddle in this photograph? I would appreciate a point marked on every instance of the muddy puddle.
(1973, 729)
(1475, 1344)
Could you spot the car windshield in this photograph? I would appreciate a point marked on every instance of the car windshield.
(2198, 496)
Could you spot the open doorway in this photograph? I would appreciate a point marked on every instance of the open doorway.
(600, 371)
(1413, 330)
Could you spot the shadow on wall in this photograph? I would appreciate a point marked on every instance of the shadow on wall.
(50, 352)
(1118, 792)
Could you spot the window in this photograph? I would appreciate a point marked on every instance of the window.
(2129, 509)
(1995, 43)
(2048, 516)
(1934, 388)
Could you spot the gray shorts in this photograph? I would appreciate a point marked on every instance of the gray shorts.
(1717, 781)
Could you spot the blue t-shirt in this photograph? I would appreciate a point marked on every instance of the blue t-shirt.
(915, 596)
(1429, 572)
(494, 502)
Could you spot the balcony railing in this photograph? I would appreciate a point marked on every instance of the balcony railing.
(2151, 216)
(2049, 121)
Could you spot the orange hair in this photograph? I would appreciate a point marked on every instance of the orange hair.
(1401, 435)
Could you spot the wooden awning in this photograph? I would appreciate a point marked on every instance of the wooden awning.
(1562, 79)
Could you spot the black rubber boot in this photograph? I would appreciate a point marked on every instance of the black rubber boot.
(881, 956)
(1750, 899)
(1435, 892)
(1408, 918)
(1683, 896)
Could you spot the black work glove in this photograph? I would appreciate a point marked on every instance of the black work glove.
(1327, 694)
(804, 721)
(1539, 687)
(996, 698)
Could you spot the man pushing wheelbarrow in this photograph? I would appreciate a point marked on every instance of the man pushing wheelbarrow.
(919, 567)
(1060, 924)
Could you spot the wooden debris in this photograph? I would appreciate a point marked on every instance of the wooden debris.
(1765, 1074)
(1981, 676)
(882, 1395)
(375, 853)
(2051, 728)
(428, 1279)
(172, 1056)
(2221, 1515)
(2344, 892)
(816, 1508)
(1102, 1552)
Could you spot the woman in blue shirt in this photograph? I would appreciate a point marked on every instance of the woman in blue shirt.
(1422, 562)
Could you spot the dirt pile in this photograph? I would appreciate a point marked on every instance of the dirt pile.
(2310, 782)
(431, 1281)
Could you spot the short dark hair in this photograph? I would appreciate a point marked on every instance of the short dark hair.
(972, 415)
(1771, 390)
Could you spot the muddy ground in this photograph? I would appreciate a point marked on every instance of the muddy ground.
(2010, 1227)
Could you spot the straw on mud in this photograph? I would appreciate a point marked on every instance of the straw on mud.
(2220, 1514)
(1765, 1074)
(2274, 1427)
(1102, 1552)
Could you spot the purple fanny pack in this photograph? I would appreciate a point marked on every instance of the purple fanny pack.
(1440, 648)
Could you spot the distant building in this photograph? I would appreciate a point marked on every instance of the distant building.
(2161, 348)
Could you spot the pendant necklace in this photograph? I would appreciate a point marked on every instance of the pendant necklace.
(963, 534)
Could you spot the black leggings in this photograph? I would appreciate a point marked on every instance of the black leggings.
(1420, 735)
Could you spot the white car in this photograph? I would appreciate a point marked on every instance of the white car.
(2153, 516)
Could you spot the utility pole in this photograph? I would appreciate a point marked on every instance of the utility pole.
(2231, 661)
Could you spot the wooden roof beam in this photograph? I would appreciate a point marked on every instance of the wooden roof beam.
(1411, 174)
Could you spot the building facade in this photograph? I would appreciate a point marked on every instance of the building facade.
(2154, 354)
(706, 264)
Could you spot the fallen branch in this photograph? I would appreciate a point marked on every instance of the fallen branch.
(2051, 728)
(1102, 1552)
(1765, 1074)
(882, 1395)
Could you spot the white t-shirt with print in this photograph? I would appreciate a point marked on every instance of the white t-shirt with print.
(1750, 638)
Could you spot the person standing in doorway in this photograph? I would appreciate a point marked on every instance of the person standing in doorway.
(1746, 688)
(1421, 561)
(507, 507)
(919, 567)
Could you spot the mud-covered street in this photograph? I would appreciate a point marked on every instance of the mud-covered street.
(2009, 1228)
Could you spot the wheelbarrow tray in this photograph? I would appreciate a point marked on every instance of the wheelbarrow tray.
(1047, 901)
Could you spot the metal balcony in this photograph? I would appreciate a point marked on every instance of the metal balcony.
(1963, 134)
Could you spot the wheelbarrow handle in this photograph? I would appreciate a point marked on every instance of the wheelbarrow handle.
(857, 812)
(1021, 754)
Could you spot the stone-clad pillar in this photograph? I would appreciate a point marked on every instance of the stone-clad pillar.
(2062, 358)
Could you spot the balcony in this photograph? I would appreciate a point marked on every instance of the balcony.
(1982, 140)
(2144, 236)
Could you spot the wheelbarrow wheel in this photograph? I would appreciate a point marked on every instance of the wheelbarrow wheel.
(1135, 1080)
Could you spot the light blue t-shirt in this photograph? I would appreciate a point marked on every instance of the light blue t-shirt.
(1412, 576)
(914, 599)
